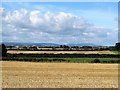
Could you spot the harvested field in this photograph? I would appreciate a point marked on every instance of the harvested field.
(59, 75)
(60, 52)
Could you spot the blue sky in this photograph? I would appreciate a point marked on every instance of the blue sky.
(94, 21)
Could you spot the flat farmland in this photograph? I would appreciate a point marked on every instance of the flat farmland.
(60, 52)
(58, 75)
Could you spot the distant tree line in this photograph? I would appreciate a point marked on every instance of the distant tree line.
(65, 48)
(65, 55)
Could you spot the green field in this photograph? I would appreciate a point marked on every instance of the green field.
(75, 60)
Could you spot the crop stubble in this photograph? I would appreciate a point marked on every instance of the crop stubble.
(59, 75)
(60, 52)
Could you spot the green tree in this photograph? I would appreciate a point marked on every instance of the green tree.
(3, 50)
(117, 46)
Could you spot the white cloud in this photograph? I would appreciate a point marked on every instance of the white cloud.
(58, 27)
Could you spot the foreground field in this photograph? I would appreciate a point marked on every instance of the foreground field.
(60, 52)
(59, 75)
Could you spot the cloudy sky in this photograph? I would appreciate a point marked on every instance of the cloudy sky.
(60, 22)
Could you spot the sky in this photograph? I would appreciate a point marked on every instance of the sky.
(60, 22)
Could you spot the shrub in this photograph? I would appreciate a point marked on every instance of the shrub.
(105, 62)
(118, 61)
(112, 61)
(96, 61)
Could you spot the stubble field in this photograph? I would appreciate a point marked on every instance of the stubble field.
(60, 52)
(58, 75)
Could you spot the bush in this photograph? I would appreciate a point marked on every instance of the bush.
(118, 61)
(96, 61)
(112, 61)
(105, 61)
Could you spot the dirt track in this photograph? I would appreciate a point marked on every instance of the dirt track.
(59, 52)
(59, 75)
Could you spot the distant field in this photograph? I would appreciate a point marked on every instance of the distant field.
(58, 75)
(60, 52)
(117, 52)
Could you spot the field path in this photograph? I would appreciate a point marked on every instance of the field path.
(59, 75)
